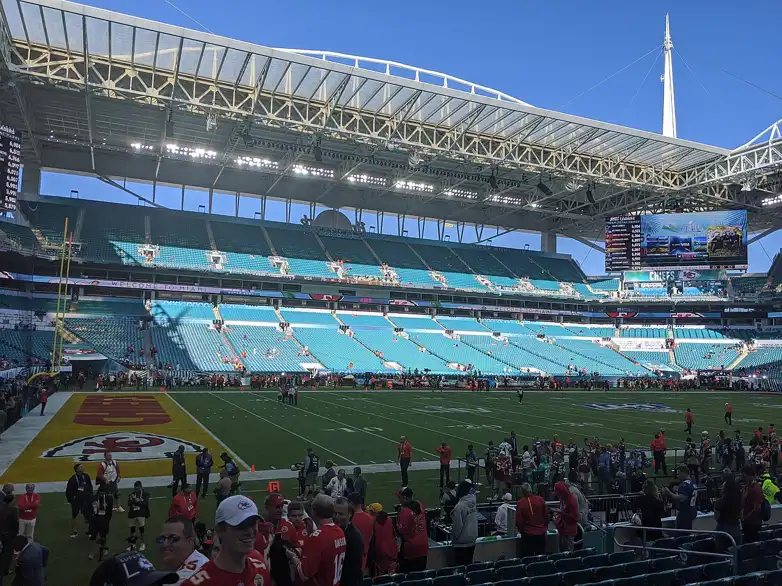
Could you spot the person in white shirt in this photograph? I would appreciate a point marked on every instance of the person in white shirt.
(505, 515)
(337, 486)
(178, 548)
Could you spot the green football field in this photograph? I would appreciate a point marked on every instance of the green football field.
(364, 427)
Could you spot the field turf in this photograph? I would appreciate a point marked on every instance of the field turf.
(363, 428)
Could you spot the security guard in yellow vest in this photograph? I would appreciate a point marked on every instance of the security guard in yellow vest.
(770, 490)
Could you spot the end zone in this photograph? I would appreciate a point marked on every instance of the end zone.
(140, 430)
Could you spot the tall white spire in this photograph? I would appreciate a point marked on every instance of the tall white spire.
(669, 103)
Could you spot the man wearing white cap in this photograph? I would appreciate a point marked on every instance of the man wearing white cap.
(505, 513)
(237, 562)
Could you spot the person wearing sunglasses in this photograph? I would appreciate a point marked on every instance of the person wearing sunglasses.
(237, 563)
(177, 546)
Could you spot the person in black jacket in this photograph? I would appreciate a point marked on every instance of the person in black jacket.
(353, 567)
(102, 508)
(178, 470)
(204, 465)
(78, 493)
(138, 513)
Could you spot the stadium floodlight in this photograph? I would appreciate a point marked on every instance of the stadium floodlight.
(461, 193)
(257, 163)
(137, 146)
(414, 186)
(305, 170)
(368, 179)
(772, 201)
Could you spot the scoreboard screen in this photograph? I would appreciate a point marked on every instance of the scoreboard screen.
(10, 162)
(701, 240)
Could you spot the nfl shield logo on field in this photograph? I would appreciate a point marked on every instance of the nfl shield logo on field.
(123, 445)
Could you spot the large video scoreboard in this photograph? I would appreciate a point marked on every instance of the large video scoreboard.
(10, 162)
(702, 240)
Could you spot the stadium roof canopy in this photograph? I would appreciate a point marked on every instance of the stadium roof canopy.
(107, 94)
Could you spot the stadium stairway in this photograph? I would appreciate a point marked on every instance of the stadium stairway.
(742, 355)
(269, 242)
(527, 348)
(211, 236)
(497, 358)
(322, 246)
(230, 346)
(592, 358)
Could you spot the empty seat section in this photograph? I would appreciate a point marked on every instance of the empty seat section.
(255, 313)
(762, 356)
(455, 351)
(239, 237)
(165, 310)
(398, 349)
(358, 270)
(49, 218)
(694, 356)
(187, 246)
(348, 250)
(649, 356)
(439, 258)
(506, 326)
(557, 354)
(323, 318)
(461, 324)
(605, 285)
(17, 236)
(603, 356)
(548, 329)
(251, 264)
(585, 292)
(266, 349)
(190, 345)
(482, 262)
(590, 331)
(370, 320)
(639, 332)
(414, 323)
(396, 253)
(108, 229)
(338, 351)
(417, 278)
(292, 242)
(110, 307)
(112, 337)
(503, 282)
(545, 285)
(514, 356)
(21, 345)
(464, 281)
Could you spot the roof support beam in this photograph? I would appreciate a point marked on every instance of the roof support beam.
(110, 181)
(761, 235)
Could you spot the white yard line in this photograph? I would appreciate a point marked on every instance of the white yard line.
(286, 430)
(208, 431)
(343, 424)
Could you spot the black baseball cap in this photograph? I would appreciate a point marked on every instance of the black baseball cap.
(130, 569)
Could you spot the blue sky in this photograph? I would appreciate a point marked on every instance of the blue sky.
(545, 53)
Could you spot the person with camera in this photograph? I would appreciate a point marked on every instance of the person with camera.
(204, 465)
(311, 469)
(138, 513)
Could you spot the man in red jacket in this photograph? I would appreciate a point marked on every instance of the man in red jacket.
(412, 528)
(362, 521)
(567, 519)
(28, 511)
(184, 504)
(445, 452)
(688, 421)
(44, 399)
(532, 520)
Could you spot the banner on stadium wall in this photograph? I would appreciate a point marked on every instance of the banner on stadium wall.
(673, 275)
(652, 314)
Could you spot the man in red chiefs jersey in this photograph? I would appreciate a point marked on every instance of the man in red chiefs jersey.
(323, 551)
(412, 528)
(278, 526)
(237, 563)
(404, 457)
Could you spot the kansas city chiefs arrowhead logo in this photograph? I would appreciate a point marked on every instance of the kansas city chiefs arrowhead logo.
(123, 445)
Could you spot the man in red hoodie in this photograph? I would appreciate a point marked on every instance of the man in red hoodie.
(445, 452)
(184, 504)
(412, 528)
(532, 520)
(567, 519)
